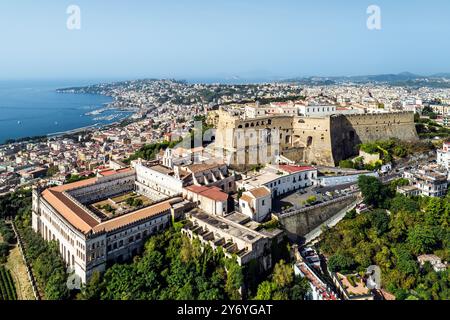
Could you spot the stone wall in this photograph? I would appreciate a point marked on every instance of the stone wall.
(351, 130)
(299, 224)
(321, 140)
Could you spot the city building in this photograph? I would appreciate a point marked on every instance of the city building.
(211, 200)
(93, 225)
(236, 234)
(320, 140)
(256, 203)
(429, 182)
(316, 110)
(443, 156)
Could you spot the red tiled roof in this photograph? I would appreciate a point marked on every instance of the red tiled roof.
(260, 192)
(294, 169)
(128, 219)
(111, 172)
(212, 193)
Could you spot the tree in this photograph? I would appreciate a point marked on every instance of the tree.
(52, 170)
(283, 274)
(311, 199)
(266, 290)
(346, 164)
(92, 290)
(372, 189)
(234, 280)
(380, 221)
(300, 290)
(341, 263)
(4, 251)
(421, 239)
(56, 288)
(403, 203)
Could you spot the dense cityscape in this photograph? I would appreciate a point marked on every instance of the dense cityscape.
(224, 159)
(139, 205)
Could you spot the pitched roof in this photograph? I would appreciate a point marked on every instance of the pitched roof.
(294, 169)
(74, 214)
(128, 219)
(246, 198)
(83, 220)
(260, 192)
(213, 193)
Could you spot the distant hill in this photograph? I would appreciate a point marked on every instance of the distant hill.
(441, 80)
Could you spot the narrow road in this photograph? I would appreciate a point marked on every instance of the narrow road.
(312, 236)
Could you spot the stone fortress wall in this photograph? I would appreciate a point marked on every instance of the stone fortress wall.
(351, 130)
(313, 140)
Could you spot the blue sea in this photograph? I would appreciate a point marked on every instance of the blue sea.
(34, 108)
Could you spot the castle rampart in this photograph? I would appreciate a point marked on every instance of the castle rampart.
(321, 140)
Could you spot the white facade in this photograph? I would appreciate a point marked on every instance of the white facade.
(281, 179)
(256, 203)
(430, 183)
(86, 240)
(443, 156)
(86, 253)
(317, 111)
(340, 180)
(211, 200)
(156, 184)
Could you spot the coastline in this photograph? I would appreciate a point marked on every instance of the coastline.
(85, 129)
(109, 106)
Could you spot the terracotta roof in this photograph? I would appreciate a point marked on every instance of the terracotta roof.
(213, 193)
(260, 192)
(294, 169)
(81, 219)
(74, 214)
(75, 185)
(110, 172)
(246, 198)
(127, 219)
(197, 189)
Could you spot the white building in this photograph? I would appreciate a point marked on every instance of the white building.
(316, 110)
(331, 181)
(281, 179)
(431, 183)
(211, 200)
(256, 203)
(156, 181)
(443, 156)
(87, 238)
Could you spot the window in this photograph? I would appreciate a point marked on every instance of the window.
(264, 202)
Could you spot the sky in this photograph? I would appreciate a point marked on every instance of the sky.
(189, 39)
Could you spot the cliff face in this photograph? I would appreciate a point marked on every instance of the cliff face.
(347, 132)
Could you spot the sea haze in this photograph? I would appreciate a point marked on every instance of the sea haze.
(34, 108)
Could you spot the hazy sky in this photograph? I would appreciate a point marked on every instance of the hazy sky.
(212, 38)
